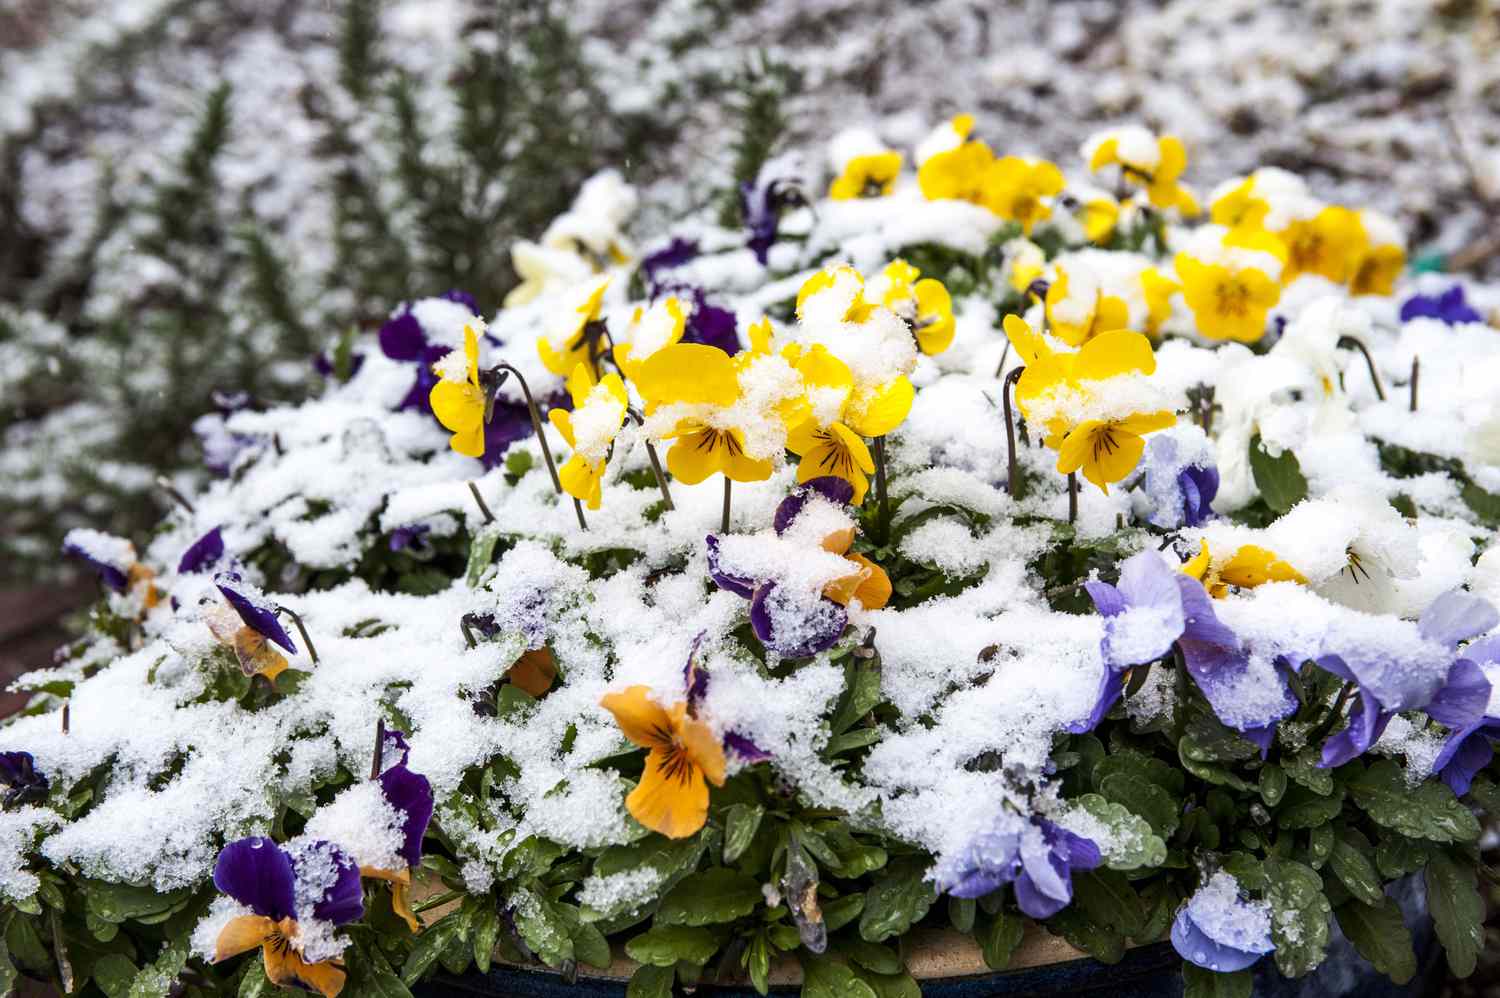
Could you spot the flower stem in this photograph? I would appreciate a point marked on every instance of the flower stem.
(1350, 341)
(1072, 497)
(661, 479)
(1013, 475)
(437, 901)
(312, 652)
(724, 526)
(1333, 715)
(378, 757)
(463, 625)
(578, 508)
(1416, 373)
(884, 522)
(66, 715)
(1004, 356)
(165, 484)
(536, 426)
(488, 516)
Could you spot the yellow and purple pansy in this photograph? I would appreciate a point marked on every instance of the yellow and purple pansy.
(410, 794)
(271, 881)
(248, 624)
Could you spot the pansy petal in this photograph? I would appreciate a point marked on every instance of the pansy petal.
(202, 553)
(1193, 945)
(411, 794)
(1464, 697)
(641, 719)
(242, 934)
(343, 901)
(286, 969)
(257, 617)
(1465, 759)
(1114, 353)
(1456, 616)
(671, 798)
(535, 671)
(698, 741)
(258, 874)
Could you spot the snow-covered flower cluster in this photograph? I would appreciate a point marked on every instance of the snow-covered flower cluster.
(1118, 557)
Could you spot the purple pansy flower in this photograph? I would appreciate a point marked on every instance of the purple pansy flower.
(1449, 306)
(676, 253)
(838, 491)
(746, 749)
(761, 206)
(109, 556)
(795, 625)
(403, 338)
(1154, 608)
(1386, 685)
(264, 877)
(203, 553)
(1037, 856)
(1220, 931)
(509, 422)
(19, 774)
(738, 584)
(463, 298)
(410, 536)
(407, 792)
(256, 614)
(711, 325)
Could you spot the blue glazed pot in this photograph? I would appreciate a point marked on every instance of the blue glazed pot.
(1153, 971)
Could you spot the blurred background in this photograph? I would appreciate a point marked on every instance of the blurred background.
(198, 197)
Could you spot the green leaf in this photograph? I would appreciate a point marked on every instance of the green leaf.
(1279, 479)
(114, 973)
(1397, 855)
(664, 945)
(1427, 811)
(430, 945)
(542, 923)
(1200, 983)
(1381, 936)
(741, 823)
(998, 938)
(961, 913)
(898, 985)
(1319, 845)
(1138, 764)
(861, 695)
(1299, 915)
(254, 983)
(481, 553)
(716, 895)
(1273, 782)
(872, 956)
(126, 902)
(825, 978)
(1303, 770)
(1109, 900)
(1131, 843)
(1457, 911)
(590, 946)
(1098, 941)
(1484, 504)
(1350, 862)
(841, 911)
(651, 982)
(486, 932)
(1146, 800)
(896, 902)
(851, 740)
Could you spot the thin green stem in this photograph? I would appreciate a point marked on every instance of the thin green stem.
(1072, 497)
(724, 525)
(536, 426)
(312, 652)
(884, 523)
(1013, 475)
(485, 510)
(578, 508)
(1350, 341)
(379, 755)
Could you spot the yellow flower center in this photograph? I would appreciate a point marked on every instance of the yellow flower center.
(1233, 297)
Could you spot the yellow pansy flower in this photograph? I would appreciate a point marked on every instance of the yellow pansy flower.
(923, 302)
(960, 173)
(1155, 167)
(706, 442)
(684, 757)
(1099, 216)
(564, 346)
(1158, 289)
(1373, 270)
(1102, 314)
(1239, 207)
(1027, 263)
(590, 429)
(651, 329)
(459, 405)
(1323, 244)
(1228, 303)
(858, 310)
(1249, 566)
(834, 449)
(1017, 189)
(871, 176)
(1050, 375)
(1107, 450)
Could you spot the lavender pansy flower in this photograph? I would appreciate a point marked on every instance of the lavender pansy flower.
(1219, 931)
(1387, 685)
(203, 553)
(256, 614)
(1450, 306)
(795, 625)
(1154, 608)
(1180, 482)
(1467, 706)
(1038, 857)
(25, 785)
(711, 325)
